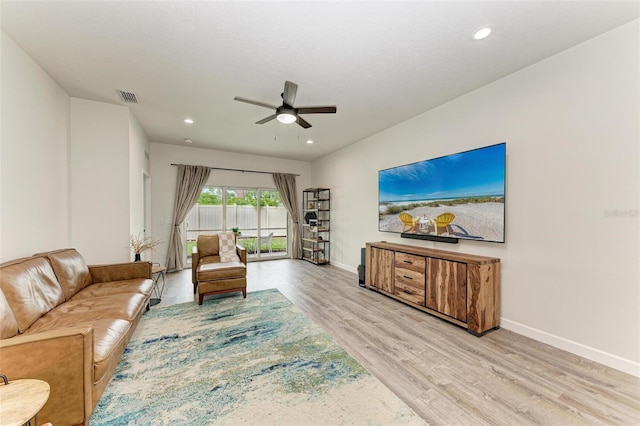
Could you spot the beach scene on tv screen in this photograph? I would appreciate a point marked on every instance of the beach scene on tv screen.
(459, 195)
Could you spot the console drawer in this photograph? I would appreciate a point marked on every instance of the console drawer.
(410, 261)
(410, 285)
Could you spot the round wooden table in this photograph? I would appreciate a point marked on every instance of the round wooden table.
(22, 399)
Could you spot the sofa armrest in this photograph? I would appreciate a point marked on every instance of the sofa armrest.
(195, 259)
(119, 271)
(64, 359)
(242, 253)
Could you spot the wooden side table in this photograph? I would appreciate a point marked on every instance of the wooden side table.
(22, 399)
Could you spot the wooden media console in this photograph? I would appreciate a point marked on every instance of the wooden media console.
(461, 288)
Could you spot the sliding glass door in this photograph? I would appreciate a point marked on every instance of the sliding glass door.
(257, 213)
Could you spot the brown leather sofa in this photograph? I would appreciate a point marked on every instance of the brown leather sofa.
(68, 324)
(211, 275)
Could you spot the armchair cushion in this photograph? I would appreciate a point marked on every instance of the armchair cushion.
(221, 270)
(210, 259)
(208, 245)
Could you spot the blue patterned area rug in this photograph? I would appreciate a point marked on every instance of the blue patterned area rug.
(232, 361)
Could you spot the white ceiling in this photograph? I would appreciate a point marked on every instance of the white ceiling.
(379, 62)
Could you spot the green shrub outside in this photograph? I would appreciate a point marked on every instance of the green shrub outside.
(277, 244)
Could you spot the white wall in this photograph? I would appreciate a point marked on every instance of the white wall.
(100, 181)
(34, 195)
(138, 168)
(570, 272)
(163, 185)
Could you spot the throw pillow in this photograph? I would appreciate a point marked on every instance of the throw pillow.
(228, 247)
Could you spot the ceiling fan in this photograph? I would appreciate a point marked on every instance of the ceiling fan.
(287, 113)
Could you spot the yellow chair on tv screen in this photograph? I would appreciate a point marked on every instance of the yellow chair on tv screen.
(408, 222)
(443, 221)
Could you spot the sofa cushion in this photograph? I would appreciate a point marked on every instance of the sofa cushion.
(208, 245)
(110, 335)
(8, 324)
(220, 271)
(71, 270)
(136, 285)
(31, 289)
(126, 306)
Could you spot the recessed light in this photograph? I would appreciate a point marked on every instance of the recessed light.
(188, 120)
(309, 141)
(482, 33)
(188, 141)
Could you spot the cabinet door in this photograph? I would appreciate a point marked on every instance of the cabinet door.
(382, 269)
(447, 287)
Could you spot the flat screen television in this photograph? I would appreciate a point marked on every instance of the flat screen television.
(460, 196)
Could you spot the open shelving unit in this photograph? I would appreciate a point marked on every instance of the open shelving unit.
(316, 229)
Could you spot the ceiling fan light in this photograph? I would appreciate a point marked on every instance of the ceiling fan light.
(286, 117)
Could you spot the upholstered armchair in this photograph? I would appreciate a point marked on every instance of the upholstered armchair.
(218, 266)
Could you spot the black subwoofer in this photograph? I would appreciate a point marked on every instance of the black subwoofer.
(361, 267)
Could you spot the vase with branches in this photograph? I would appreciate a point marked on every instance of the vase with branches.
(141, 243)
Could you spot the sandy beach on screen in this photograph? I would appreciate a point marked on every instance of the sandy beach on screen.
(477, 221)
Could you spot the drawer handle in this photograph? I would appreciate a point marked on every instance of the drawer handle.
(408, 261)
(407, 277)
(407, 291)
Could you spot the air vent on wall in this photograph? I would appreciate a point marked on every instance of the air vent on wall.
(128, 97)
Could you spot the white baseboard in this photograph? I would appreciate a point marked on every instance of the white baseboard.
(610, 360)
(347, 268)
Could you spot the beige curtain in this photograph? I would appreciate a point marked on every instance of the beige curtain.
(286, 186)
(191, 180)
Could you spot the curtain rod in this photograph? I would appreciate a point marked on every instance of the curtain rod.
(240, 170)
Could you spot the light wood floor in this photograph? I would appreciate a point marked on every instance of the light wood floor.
(447, 376)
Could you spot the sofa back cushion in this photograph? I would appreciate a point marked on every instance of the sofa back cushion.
(71, 270)
(208, 245)
(8, 324)
(31, 289)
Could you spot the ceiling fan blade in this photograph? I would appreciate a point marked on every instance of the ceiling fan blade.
(304, 123)
(317, 110)
(289, 94)
(249, 101)
(264, 120)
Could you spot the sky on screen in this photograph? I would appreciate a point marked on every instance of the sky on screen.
(472, 173)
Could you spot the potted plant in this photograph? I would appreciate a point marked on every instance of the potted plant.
(236, 231)
(139, 244)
